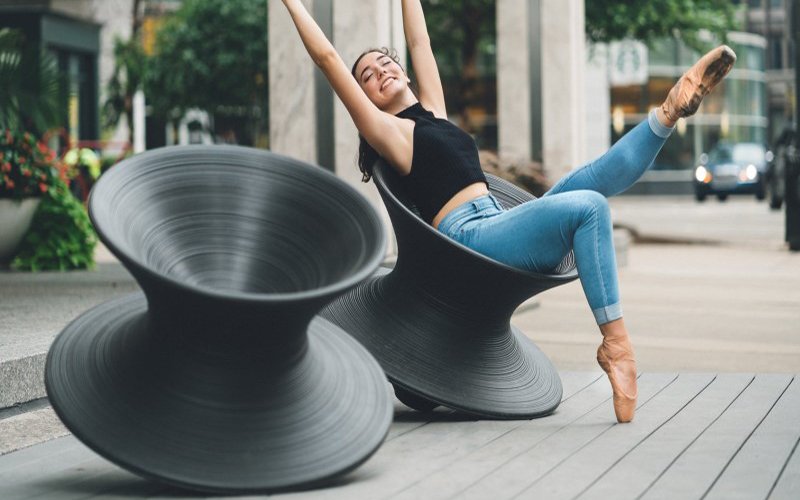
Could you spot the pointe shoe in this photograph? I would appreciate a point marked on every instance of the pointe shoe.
(685, 97)
(615, 356)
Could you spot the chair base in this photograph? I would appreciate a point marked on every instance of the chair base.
(208, 421)
(455, 361)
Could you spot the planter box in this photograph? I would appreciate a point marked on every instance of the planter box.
(15, 219)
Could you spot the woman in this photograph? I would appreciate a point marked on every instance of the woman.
(439, 165)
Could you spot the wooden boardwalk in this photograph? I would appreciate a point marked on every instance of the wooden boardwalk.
(695, 436)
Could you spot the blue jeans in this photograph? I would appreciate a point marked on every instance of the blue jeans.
(573, 215)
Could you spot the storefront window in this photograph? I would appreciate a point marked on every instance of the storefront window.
(735, 111)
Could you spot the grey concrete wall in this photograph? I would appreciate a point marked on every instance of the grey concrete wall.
(563, 80)
(292, 104)
(598, 101)
(514, 79)
(358, 25)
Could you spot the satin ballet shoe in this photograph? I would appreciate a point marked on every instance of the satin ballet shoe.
(685, 97)
(615, 356)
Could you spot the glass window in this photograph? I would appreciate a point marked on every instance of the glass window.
(776, 49)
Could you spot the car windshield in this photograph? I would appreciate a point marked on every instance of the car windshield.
(742, 154)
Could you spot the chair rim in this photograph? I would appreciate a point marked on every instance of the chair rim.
(345, 283)
(380, 183)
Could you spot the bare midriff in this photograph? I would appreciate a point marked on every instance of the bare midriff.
(469, 193)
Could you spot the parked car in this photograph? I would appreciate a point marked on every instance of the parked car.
(732, 169)
(785, 152)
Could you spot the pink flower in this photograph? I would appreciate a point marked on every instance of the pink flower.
(43, 187)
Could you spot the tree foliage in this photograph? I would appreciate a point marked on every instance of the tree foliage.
(212, 55)
(30, 86)
(460, 32)
(129, 66)
(608, 20)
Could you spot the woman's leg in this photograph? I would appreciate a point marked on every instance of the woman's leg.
(538, 234)
(623, 164)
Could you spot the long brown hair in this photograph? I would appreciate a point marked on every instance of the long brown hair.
(367, 156)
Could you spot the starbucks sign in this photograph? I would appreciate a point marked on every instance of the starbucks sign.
(628, 63)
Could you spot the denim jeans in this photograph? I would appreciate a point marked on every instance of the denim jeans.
(573, 215)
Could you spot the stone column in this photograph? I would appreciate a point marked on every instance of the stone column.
(514, 79)
(292, 106)
(563, 86)
(598, 101)
(358, 25)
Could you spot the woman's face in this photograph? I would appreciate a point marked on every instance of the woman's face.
(382, 79)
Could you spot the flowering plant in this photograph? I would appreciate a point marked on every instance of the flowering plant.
(27, 166)
(82, 159)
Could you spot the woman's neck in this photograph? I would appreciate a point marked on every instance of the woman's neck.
(407, 99)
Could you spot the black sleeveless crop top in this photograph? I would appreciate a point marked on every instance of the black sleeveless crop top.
(445, 161)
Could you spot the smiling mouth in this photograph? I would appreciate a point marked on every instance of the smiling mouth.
(387, 82)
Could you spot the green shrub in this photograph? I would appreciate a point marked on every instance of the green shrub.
(61, 236)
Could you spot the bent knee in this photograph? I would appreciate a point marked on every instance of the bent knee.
(591, 202)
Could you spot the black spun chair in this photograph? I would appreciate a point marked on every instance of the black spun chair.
(220, 377)
(439, 322)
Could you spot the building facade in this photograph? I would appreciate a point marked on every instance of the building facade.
(772, 20)
(736, 110)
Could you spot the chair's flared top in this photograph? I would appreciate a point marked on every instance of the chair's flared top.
(509, 195)
(237, 222)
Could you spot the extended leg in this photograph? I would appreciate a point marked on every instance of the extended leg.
(631, 156)
(622, 165)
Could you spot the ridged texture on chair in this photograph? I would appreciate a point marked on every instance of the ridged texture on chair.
(219, 377)
(439, 322)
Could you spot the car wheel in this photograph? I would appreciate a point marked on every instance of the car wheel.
(701, 197)
(775, 200)
(761, 194)
(722, 196)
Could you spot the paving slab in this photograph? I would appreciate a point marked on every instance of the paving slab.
(34, 307)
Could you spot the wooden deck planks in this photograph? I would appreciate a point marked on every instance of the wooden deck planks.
(462, 473)
(694, 435)
(427, 449)
(697, 468)
(514, 476)
(640, 467)
(572, 476)
(788, 484)
(753, 471)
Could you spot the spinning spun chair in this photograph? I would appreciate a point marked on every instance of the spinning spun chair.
(439, 322)
(219, 377)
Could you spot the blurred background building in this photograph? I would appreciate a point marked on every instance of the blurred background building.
(622, 81)
(771, 19)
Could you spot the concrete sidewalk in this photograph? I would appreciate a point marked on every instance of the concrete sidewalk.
(721, 292)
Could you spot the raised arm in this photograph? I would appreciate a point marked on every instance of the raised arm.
(418, 41)
(378, 128)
